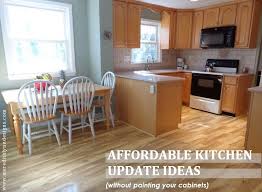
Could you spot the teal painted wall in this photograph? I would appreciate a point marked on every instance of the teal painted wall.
(99, 14)
(93, 35)
(106, 24)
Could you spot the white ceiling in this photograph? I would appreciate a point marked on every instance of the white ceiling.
(185, 4)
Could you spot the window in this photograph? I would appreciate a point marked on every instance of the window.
(149, 43)
(38, 37)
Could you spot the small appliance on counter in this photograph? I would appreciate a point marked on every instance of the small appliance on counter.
(180, 62)
(206, 85)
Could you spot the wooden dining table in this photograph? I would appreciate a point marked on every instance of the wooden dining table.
(11, 96)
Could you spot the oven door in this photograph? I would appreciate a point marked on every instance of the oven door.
(206, 85)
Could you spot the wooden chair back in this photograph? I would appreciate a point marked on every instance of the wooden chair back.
(78, 94)
(109, 80)
(37, 100)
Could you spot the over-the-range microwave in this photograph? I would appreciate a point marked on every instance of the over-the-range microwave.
(218, 37)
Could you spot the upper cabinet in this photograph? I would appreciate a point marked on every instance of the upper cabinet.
(197, 26)
(247, 22)
(119, 24)
(227, 15)
(211, 17)
(181, 29)
(126, 25)
(166, 30)
(133, 25)
(243, 23)
(184, 20)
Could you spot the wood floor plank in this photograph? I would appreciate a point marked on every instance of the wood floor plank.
(82, 164)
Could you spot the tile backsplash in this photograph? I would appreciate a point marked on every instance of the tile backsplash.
(194, 58)
(122, 60)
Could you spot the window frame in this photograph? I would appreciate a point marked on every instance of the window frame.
(46, 5)
(156, 24)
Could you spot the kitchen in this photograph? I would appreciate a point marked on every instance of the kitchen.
(170, 76)
(210, 47)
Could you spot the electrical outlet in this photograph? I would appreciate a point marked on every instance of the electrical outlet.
(152, 89)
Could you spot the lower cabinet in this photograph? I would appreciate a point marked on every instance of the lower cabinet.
(254, 121)
(186, 84)
(235, 96)
(229, 98)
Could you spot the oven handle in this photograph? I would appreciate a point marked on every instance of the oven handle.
(211, 77)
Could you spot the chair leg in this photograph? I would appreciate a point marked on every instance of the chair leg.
(91, 124)
(112, 117)
(49, 128)
(29, 139)
(103, 111)
(61, 123)
(94, 113)
(24, 132)
(56, 133)
(69, 130)
(82, 122)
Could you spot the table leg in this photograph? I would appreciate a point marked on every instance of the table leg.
(17, 127)
(107, 108)
(10, 119)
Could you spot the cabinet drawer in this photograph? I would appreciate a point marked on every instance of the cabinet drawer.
(231, 80)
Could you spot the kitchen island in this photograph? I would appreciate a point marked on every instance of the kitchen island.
(254, 130)
(149, 102)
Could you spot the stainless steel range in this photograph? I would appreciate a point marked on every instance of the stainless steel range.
(206, 85)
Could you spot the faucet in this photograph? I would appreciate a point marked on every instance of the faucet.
(147, 65)
(147, 68)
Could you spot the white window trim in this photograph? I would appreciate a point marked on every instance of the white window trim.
(153, 23)
(44, 4)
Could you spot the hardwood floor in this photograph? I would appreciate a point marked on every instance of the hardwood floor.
(81, 166)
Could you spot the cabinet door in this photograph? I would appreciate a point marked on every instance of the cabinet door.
(184, 30)
(227, 15)
(133, 25)
(187, 88)
(173, 30)
(119, 25)
(211, 17)
(197, 26)
(166, 30)
(229, 96)
(243, 23)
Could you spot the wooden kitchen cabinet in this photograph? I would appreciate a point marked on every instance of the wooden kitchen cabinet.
(119, 24)
(243, 23)
(229, 98)
(166, 30)
(126, 25)
(133, 25)
(247, 22)
(235, 97)
(227, 15)
(197, 26)
(184, 20)
(187, 88)
(153, 113)
(254, 121)
(211, 17)
(187, 76)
